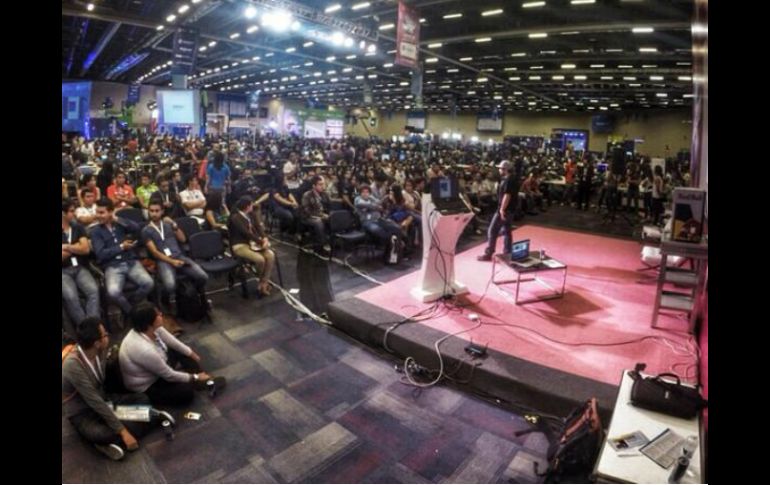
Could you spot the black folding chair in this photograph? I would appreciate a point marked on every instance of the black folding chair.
(343, 226)
(132, 214)
(208, 250)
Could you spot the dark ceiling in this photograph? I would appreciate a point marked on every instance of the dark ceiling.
(590, 59)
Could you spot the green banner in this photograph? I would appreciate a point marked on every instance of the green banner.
(319, 114)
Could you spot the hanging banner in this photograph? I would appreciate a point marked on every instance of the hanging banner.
(134, 91)
(407, 36)
(185, 49)
(417, 87)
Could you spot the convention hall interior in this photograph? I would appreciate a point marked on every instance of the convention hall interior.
(384, 241)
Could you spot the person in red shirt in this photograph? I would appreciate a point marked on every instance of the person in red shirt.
(570, 167)
(132, 146)
(121, 193)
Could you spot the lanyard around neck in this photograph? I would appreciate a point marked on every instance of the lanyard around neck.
(97, 375)
(160, 230)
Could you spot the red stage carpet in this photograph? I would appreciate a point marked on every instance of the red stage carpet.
(605, 309)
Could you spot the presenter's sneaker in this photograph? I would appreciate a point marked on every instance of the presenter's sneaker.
(111, 451)
(484, 257)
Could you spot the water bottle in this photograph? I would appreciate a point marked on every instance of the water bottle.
(689, 446)
(167, 430)
(682, 463)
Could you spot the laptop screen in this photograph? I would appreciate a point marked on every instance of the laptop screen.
(520, 250)
(444, 188)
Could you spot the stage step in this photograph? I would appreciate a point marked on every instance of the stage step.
(676, 301)
(682, 277)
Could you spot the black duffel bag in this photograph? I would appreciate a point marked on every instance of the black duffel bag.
(674, 399)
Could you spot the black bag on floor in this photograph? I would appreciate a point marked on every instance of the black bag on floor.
(574, 446)
(189, 306)
(394, 250)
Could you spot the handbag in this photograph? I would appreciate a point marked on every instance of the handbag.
(656, 394)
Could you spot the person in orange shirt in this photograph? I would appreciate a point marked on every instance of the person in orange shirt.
(121, 193)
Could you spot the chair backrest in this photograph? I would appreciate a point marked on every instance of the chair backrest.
(132, 214)
(341, 221)
(188, 225)
(206, 245)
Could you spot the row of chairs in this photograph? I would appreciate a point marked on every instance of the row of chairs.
(207, 248)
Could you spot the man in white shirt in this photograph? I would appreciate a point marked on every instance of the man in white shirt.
(150, 356)
(193, 200)
(290, 167)
(86, 213)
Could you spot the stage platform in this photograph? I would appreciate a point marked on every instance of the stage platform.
(548, 356)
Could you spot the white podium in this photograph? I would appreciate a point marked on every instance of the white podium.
(439, 240)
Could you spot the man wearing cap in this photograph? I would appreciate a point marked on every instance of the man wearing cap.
(507, 198)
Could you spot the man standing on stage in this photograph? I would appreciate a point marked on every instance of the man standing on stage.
(507, 198)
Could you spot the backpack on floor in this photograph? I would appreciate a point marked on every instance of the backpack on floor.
(394, 250)
(574, 446)
(189, 306)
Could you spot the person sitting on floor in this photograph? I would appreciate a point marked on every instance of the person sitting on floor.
(162, 238)
(84, 399)
(149, 357)
(249, 241)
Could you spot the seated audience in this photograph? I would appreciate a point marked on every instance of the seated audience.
(193, 200)
(249, 241)
(74, 272)
(168, 199)
(144, 191)
(285, 207)
(121, 194)
(162, 238)
(114, 242)
(313, 214)
(86, 213)
(89, 182)
(216, 214)
(369, 211)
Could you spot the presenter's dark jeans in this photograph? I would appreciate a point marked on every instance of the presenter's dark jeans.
(164, 393)
(493, 232)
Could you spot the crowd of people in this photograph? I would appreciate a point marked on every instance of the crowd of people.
(244, 189)
(238, 186)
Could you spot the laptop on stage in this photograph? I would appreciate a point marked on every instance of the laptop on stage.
(520, 255)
